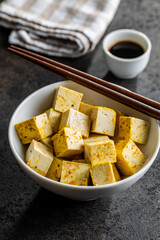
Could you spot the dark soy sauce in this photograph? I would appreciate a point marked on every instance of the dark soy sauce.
(126, 49)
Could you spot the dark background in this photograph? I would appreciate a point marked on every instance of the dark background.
(28, 211)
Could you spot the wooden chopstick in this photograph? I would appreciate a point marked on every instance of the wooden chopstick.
(142, 104)
(95, 79)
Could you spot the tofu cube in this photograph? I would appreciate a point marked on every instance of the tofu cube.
(100, 152)
(115, 172)
(35, 128)
(66, 98)
(54, 119)
(47, 141)
(95, 137)
(116, 132)
(39, 157)
(102, 174)
(129, 157)
(85, 108)
(67, 142)
(103, 120)
(133, 128)
(55, 169)
(77, 120)
(75, 173)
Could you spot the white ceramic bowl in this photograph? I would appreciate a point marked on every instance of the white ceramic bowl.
(41, 100)
(122, 67)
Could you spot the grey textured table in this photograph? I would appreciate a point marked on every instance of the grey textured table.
(28, 211)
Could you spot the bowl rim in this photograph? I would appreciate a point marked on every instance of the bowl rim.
(127, 30)
(85, 188)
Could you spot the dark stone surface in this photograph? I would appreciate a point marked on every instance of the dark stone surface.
(30, 212)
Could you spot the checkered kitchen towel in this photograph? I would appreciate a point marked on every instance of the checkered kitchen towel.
(67, 28)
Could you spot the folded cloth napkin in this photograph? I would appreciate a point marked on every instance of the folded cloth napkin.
(66, 28)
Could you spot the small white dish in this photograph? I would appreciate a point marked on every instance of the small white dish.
(41, 100)
(126, 68)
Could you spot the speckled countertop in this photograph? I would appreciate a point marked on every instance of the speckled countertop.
(28, 211)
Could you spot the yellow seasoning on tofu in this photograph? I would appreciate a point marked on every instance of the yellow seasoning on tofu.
(39, 157)
(116, 132)
(35, 128)
(115, 172)
(54, 119)
(86, 108)
(129, 157)
(95, 137)
(77, 120)
(100, 152)
(66, 98)
(67, 142)
(47, 141)
(75, 173)
(134, 128)
(55, 169)
(102, 174)
(103, 120)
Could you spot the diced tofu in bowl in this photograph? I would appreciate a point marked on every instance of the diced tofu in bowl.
(81, 144)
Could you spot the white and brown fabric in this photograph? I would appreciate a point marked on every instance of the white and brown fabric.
(67, 28)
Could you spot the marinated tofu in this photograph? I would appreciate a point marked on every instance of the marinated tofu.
(92, 145)
(116, 132)
(77, 120)
(65, 99)
(67, 142)
(102, 174)
(54, 119)
(39, 157)
(85, 108)
(103, 120)
(95, 137)
(75, 173)
(133, 128)
(100, 152)
(36, 128)
(115, 172)
(47, 141)
(130, 159)
(55, 169)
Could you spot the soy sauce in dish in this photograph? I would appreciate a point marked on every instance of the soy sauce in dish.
(126, 49)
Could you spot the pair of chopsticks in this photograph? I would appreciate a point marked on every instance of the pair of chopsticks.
(122, 95)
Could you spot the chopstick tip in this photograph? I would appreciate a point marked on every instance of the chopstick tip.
(11, 47)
